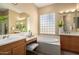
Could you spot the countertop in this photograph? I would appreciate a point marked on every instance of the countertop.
(14, 38)
(71, 34)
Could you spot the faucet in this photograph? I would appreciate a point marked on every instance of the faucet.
(5, 36)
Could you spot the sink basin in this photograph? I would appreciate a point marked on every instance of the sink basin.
(3, 37)
(10, 38)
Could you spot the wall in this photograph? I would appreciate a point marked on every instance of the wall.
(46, 9)
(29, 9)
(32, 11)
(64, 6)
(12, 20)
(57, 8)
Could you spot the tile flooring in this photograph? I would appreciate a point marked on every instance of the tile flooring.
(48, 45)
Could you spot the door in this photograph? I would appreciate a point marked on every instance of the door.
(75, 44)
(65, 42)
(6, 51)
(19, 50)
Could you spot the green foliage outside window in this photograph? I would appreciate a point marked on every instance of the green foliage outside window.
(3, 19)
(21, 27)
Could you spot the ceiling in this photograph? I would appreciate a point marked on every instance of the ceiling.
(42, 4)
(15, 7)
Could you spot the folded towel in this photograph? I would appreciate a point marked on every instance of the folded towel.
(32, 46)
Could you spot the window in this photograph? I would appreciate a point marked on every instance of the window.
(29, 24)
(47, 23)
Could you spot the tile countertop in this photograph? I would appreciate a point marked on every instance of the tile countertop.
(14, 38)
(71, 34)
(29, 38)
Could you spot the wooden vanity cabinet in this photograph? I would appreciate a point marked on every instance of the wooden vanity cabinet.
(19, 50)
(69, 43)
(65, 42)
(75, 44)
(15, 48)
(5, 51)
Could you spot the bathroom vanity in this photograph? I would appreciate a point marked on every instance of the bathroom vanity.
(14, 48)
(70, 42)
(15, 45)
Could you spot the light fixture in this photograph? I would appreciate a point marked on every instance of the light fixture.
(61, 12)
(67, 11)
(20, 18)
(73, 10)
(13, 28)
(14, 3)
(77, 10)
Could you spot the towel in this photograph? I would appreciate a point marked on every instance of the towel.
(32, 46)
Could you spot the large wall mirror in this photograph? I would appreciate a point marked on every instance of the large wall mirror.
(71, 21)
(3, 21)
(23, 23)
(76, 21)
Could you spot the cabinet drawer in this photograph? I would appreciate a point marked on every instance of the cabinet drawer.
(18, 43)
(5, 51)
(31, 41)
(20, 50)
(65, 42)
(5, 46)
(15, 48)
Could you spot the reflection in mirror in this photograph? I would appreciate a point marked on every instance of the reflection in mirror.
(76, 21)
(21, 23)
(21, 26)
(71, 21)
(3, 21)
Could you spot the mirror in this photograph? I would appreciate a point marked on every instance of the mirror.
(3, 21)
(71, 21)
(21, 22)
(76, 21)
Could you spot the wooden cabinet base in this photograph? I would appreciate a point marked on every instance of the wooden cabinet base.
(15, 48)
(70, 43)
(20, 50)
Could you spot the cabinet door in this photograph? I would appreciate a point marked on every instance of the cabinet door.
(5, 52)
(75, 44)
(19, 50)
(65, 42)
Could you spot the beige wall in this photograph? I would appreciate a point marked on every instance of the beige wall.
(77, 6)
(31, 10)
(65, 6)
(47, 9)
(57, 7)
(12, 20)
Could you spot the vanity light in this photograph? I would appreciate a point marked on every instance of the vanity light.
(67, 11)
(13, 28)
(77, 9)
(73, 10)
(14, 3)
(21, 18)
(61, 12)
